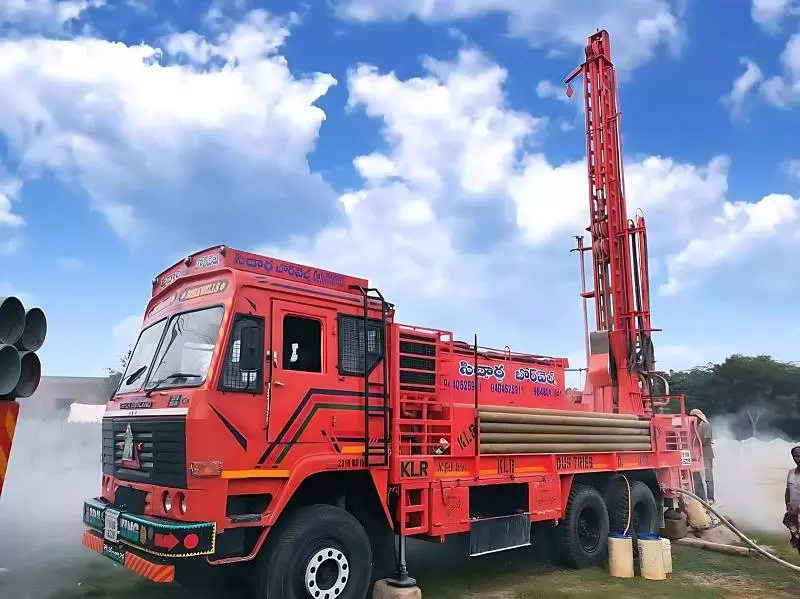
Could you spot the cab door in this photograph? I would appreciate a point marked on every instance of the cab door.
(302, 367)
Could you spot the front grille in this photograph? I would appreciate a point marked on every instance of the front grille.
(162, 457)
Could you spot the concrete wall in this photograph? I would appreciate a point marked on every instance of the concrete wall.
(55, 394)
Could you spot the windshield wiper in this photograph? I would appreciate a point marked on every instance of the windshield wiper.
(135, 375)
(170, 377)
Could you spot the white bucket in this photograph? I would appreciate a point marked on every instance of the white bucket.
(651, 557)
(620, 556)
(666, 548)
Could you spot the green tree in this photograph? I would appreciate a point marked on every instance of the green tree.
(759, 393)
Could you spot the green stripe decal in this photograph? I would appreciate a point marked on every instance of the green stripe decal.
(307, 421)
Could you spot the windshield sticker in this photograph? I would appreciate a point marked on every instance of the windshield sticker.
(205, 289)
(163, 304)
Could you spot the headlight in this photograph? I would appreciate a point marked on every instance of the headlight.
(182, 503)
(167, 502)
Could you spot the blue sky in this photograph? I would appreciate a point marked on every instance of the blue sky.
(426, 145)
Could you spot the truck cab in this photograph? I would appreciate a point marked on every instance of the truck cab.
(212, 428)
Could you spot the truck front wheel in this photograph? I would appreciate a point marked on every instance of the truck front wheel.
(319, 552)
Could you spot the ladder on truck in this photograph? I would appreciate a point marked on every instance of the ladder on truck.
(423, 424)
(376, 451)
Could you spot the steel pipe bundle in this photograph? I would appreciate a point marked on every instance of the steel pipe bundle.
(22, 334)
(533, 430)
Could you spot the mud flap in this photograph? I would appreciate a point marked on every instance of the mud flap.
(489, 535)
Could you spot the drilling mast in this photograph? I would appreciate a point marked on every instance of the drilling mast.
(620, 351)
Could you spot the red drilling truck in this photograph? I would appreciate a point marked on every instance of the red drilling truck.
(277, 415)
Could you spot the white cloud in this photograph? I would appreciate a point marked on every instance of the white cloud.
(10, 222)
(784, 90)
(164, 150)
(9, 193)
(738, 229)
(452, 145)
(50, 14)
(638, 27)
(547, 89)
(743, 87)
(769, 13)
(450, 125)
(554, 200)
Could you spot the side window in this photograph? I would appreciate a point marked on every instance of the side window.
(302, 344)
(234, 377)
(351, 344)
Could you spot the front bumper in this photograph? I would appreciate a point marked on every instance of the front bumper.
(144, 544)
(153, 569)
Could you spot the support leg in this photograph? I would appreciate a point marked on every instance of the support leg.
(402, 579)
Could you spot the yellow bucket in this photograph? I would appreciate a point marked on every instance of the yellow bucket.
(666, 549)
(651, 557)
(620, 555)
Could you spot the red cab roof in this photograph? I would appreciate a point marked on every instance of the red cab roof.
(220, 256)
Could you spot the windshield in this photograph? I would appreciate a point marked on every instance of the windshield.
(186, 350)
(183, 356)
(141, 358)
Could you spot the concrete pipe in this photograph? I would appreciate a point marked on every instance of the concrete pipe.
(547, 438)
(10, 368)
(34, 332)
(492, 416)
(12, 320)
(546, 412)
(504, 427)
(30, 374)
(511, 448)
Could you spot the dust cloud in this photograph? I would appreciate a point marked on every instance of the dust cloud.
(54, 466)
(750, 478)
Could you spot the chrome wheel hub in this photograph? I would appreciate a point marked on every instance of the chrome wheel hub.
(327, 573)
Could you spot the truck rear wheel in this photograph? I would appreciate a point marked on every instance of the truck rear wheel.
(583, 533)
(644, 509)
(319, 552)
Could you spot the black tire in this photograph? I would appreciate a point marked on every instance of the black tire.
(330, 537)
(644, 518)
(583, 533)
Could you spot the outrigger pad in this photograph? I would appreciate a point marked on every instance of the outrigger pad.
(156, 536)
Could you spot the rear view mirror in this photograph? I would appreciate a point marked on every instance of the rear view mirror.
(251, 348)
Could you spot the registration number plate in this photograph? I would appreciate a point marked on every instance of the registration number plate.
(686, 457)
(111, 528)
(114, 553)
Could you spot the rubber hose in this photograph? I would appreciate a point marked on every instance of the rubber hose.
(736, 531)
